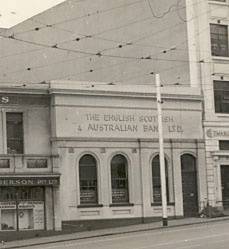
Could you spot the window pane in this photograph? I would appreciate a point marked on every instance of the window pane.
(88, 180)
(119, 179)
(221, 96)
(224, 144)
(14, 128)
(188, 163)
(219, 40)
(156, 179)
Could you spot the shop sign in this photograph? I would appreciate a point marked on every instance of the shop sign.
(88, 196)
(104, 122)
(17, 99)
(119, 195)
(29, 181)
(8, 205)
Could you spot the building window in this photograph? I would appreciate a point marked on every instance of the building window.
(219, 40)
(14, 133)
(156, 179)
(221, 96)
(88, 180)
(224, 144)
(119, 179)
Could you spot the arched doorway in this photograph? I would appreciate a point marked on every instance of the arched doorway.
(189, 185)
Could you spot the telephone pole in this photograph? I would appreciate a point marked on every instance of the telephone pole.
(161, 154)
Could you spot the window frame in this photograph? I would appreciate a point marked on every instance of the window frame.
(96, 202)
(127, 184)
(153, 201)
(220, 98)
(5, 130)
(219, 42)
(222, 143)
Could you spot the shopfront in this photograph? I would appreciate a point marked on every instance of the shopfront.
(23, 203)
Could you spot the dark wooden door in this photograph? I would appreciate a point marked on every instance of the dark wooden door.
(189, 185)
(225, 185)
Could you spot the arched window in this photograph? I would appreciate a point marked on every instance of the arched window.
(188, 163)
(88, 180)
(156, 179)
(119, 179)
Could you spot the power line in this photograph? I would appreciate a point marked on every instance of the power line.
(164, 13)
(97, 54)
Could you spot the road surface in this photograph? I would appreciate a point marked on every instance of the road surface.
(205, 236)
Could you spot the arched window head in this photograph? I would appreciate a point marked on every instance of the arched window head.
(188, 163)
(119, 179)
(156, 179)
(88, 180)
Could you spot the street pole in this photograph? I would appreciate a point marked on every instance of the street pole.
(161, 154)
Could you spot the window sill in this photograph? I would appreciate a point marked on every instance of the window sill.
(121, 205)
(90, 206)
(220, 58)
(219, 3)
(156, 204)
(222, 115)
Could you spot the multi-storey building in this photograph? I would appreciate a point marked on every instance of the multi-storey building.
(107, 169)
(208, 29)
(29, 173)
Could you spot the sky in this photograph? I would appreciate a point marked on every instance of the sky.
(13, 12)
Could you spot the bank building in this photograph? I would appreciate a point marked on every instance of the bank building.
(84, 148)
(89, 152)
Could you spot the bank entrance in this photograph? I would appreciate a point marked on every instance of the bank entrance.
(225, 185)
(189, 185)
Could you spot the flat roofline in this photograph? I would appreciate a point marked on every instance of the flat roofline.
(90, 87)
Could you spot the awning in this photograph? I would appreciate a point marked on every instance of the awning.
(30, 180)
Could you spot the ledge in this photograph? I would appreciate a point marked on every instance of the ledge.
(220, 58)
(158, 204)
(121, 205)
(90, 206)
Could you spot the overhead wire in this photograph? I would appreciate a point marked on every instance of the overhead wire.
(88, 53)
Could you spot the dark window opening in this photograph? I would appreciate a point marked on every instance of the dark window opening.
(88, 180)
(14, 131)
(221, 96)
(224, 144)
(119, 179)
(219, 40)
(156, 179)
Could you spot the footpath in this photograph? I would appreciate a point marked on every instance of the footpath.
(107, 232)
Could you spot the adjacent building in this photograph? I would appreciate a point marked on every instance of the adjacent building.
(87, 149)
(30, 177)
(209, 48)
